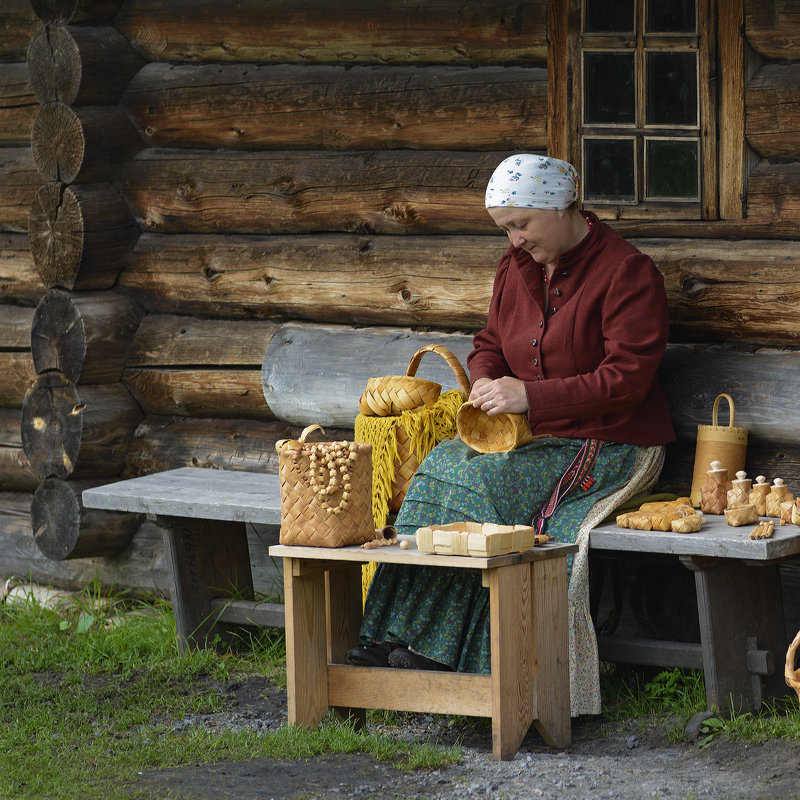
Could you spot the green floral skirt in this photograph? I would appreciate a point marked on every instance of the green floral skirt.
(443, 612)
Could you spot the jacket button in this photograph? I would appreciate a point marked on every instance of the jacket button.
(557, 292)
(534, 342)
(538, 377)
(535, 362)
(553, 310)
(541, 323)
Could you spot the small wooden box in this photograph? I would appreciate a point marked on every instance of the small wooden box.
(475, 539)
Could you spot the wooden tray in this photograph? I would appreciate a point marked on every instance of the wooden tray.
(477, 539)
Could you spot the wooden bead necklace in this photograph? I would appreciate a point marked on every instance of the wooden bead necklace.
(329, 471)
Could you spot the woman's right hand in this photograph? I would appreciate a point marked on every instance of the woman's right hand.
(504, 395)
(475, 390)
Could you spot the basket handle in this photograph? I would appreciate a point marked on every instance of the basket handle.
(452, 362)
(297, 444)
(731, 409)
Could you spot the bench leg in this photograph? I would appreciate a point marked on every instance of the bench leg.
(737, 603)
(551, 643)
(345, 612)
(512, 642)
(306, 662)
(208, 559)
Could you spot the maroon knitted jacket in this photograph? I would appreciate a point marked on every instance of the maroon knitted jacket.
(589, 352)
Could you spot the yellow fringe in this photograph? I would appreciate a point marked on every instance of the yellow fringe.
(426, 427)
(367, 571)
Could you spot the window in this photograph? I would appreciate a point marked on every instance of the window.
(635, 94)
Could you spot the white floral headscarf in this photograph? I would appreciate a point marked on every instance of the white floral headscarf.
(530, 181)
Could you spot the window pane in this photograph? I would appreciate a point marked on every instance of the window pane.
(609, 16)
(609, 88)
(671, 88)
(609, 173)
(672, 169)
(674, 16)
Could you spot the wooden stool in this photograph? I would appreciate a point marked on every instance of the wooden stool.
(529, 680)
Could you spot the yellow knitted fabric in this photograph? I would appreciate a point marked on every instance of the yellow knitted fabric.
(426, 426)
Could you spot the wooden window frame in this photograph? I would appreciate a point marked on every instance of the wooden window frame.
(721, 98)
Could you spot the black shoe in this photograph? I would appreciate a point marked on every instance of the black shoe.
(403, 658)
(371, 655)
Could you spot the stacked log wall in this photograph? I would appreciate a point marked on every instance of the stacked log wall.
(317, 173)
(20, 286)
(77, 417)
(328, 169)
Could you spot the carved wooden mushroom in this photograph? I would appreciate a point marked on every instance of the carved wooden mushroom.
(791, 674)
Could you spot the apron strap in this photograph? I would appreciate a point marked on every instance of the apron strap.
(576, 474)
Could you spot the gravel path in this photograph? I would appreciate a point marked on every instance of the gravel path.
(629, 760)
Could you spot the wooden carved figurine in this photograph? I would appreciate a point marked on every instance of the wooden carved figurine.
(758, 496)
(778, 494)
(714, 492)
(739, 495)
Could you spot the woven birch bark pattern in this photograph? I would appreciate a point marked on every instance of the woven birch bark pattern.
(392, 394)
(724, 443)
(407, 465)
(496, 434)
(340, 516)
(741, 515)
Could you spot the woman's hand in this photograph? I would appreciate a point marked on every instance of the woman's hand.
(505, 395)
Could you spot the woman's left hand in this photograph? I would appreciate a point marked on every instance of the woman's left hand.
(505, 395)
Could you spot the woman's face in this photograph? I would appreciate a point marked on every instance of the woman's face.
(544, 233)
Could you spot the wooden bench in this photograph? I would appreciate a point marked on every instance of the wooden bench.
(203, 513)
(742, 638)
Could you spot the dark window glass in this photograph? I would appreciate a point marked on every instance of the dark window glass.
(608, 170)
(610, 96)
(671, 89)
(609, 16)
(675, 16)
(672, 169)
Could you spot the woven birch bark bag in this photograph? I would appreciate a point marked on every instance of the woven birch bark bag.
(326, 491)
(498, 433)
(724, 443)
(404, 417)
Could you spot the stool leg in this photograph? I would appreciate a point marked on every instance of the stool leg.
(306, 662)
(512, 658)
(551, 643)
(343, 588)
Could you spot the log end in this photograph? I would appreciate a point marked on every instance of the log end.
(54, 65)
(52, 425)
(62, 529)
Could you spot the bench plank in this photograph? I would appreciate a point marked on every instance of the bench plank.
(715, 539)
(196, 493)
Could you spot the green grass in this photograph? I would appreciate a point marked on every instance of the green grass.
(672, 697)
(85, 705)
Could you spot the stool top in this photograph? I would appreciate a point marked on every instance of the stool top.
(393, 554)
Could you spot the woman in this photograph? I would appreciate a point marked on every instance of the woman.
(576, 329)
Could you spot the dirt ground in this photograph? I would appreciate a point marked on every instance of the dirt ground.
(624, 760)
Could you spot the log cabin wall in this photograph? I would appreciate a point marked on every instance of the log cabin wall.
(197, 175)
